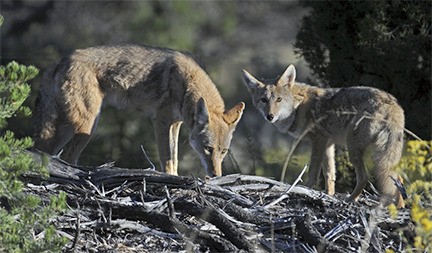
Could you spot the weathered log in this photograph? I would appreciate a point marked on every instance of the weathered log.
(214, 243)
(313, 237)
(171, 213)
(106, 174)
(211, 215)
(239, 213)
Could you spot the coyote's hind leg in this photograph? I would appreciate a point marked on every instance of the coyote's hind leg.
(79, 141)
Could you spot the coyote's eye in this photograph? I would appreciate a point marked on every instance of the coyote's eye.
(278, 99)
(224, 151)
(264, 100)
(208, 150)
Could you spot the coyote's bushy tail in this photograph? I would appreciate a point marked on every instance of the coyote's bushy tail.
(46, 112)
(388, 152)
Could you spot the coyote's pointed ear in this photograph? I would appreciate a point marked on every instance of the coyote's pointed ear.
(233, 116)
(288, 77)
(201, 112)
(250, 81)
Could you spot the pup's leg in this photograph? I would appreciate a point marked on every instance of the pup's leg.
(167, 133)
(319, 145)
(356, 157)
(80, 140)
(329, 169)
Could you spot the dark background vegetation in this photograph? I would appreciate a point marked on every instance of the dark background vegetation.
(384, 44)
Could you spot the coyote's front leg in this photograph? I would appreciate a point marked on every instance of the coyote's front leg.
(167, 132)
(322, 156)
(329, 169)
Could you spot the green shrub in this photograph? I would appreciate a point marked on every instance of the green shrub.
(24, 218)
(416, 168)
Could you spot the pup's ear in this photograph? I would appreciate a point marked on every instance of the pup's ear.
(251, 82)
(201, 113)
(233, 116)
(288, 77)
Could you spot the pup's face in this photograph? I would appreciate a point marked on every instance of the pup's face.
(211, 135)
(274, 100)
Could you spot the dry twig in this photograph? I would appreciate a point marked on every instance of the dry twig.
(145, 210)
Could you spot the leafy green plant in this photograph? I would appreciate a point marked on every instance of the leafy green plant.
(24, 218)
(422, 218)
(416, 164)
(416, 168)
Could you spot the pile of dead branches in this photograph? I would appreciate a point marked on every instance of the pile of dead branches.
(142, 210)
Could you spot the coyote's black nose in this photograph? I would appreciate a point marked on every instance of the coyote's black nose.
(270, 117)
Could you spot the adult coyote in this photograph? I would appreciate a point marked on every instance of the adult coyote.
(164, 84)
(357, 117)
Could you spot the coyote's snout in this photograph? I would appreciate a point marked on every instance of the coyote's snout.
(211, 135)
(357, 117)
(166, 85)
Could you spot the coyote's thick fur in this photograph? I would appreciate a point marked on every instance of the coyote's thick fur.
(357, 117)
(164, 84)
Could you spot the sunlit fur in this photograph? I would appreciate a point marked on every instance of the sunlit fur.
(166, 85)
(357, 117)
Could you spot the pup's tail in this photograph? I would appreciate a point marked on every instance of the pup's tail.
(46, 112)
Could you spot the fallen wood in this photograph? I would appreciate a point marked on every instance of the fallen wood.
(138, 210)
(311, 235)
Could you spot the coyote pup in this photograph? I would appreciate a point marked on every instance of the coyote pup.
(357, 117)
(164, 84)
